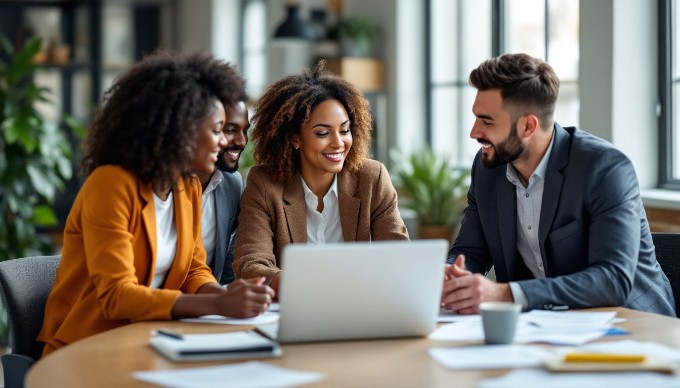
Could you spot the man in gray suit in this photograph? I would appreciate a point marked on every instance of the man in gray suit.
(222, 195)
(556, 211)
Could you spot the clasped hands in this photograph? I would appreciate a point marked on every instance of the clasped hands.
(463, 291)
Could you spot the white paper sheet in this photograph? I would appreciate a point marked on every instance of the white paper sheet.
(245, 375)
(450, 316)
(534, 378)
(267, 317)
(490, 357)
(568, 318)
(472, 330)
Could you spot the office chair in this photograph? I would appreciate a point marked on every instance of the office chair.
(667, 246)
(25, 284)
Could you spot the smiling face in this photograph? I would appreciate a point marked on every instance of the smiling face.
(236, 132)
(209, 142)
(495, 130)
(324, 142)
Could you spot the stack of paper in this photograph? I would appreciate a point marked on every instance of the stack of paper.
(558, 328)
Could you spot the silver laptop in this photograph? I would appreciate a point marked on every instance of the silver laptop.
(363, 290)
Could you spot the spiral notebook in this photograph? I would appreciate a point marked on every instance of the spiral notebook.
(215, 346)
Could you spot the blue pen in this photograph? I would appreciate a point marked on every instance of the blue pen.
(168, 334)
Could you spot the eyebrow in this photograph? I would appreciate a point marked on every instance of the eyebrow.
(328, 125)
(484, 117)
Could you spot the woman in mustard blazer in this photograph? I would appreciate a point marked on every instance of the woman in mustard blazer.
(132, 241)
(313, 182)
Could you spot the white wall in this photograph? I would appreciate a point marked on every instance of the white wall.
(209, 25)
(618, 79)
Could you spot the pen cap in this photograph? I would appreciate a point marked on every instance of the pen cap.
(500, 321)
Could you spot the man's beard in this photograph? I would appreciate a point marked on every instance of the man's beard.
(222, 164)
(506, 151)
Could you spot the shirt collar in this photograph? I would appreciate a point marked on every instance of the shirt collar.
(539, 173)
(215, 181)
(333, 189)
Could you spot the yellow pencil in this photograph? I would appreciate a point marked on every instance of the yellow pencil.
(603, 357)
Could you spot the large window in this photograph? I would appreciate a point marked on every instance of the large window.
(464, 33)
(253, 44)
(669, 88)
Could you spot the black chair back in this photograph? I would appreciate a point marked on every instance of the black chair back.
(25, 285)
(667, 247)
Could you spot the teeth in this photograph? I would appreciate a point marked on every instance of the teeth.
(336, 156)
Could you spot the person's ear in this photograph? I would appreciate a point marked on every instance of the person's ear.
(529, 125)
(296, 141)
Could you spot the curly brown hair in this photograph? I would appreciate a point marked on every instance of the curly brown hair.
(287, 104)
(148, 121)
(527, 84)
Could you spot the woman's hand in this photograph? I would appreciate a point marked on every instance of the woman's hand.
(245, 298)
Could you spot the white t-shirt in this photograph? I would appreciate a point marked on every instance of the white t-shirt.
(166, 239)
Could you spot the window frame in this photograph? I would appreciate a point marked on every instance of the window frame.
(665, 116)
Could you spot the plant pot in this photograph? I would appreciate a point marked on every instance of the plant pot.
(436, 231)
(360, 48)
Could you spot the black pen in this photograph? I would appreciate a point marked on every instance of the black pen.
(168, 334)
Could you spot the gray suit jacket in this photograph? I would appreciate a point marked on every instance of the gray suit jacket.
(227, 201)
(593, 233)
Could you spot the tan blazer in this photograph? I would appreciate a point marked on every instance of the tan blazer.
(274, 215)
(109, 255)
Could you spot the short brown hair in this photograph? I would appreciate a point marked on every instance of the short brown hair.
(287, 104)
(526, 83)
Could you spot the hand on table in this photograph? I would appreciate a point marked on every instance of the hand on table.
(463, 291)
(245, 298)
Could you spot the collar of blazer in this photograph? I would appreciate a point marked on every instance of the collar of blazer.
(296, 212)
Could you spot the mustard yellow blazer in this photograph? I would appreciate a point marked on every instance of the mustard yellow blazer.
(274, 215)
(109, 255)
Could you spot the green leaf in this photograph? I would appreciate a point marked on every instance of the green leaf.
(43, 215)
(77, 128)
(41, 182)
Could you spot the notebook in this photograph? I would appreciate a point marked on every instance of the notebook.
(361, 290)
(216, 346)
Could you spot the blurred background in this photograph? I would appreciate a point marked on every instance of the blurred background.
(615, 58)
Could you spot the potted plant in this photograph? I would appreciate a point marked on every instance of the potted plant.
(435, 190)
(35, 155)
(356, 36)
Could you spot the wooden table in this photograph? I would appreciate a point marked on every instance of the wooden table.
(108, 359)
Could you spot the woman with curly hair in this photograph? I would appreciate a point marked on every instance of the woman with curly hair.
(132, 241)
(313, 182)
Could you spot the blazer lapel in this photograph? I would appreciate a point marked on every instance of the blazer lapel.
(149, 220)
(295, 210)
(506, 198)
(349, 205)
(559, 157)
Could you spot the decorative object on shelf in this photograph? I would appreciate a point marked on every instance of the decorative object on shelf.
(367, 74)
(295, 27)
(434, 189)
(35, 156)
(357, 36)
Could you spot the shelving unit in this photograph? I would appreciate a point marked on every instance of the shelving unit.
(78, 27)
